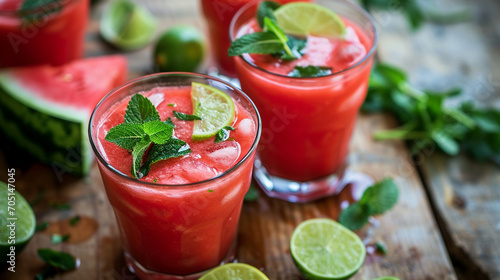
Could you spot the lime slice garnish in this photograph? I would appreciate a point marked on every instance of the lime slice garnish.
(215, 108)
(24, 224)
(303, 19)
(127, 25)
(324, 249)
(235, 271)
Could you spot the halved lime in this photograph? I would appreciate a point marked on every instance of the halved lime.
(324, 249)
(18, 222)
(303, 19)
(215, 108)
(235, 271)
(127, 25)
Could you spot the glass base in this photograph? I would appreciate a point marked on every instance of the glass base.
(294, 191)
(147, 274)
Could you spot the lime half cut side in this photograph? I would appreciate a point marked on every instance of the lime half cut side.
(302, 19)
(215, 108)
(16, 215)
(235, 271)
(324, 249)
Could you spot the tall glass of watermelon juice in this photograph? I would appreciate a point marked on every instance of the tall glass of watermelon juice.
(218, 15)
(181, 219)
(307, 122)
(47, 33)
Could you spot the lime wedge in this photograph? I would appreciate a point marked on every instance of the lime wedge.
(215, 108)
(303, 19)
(127, 25)
(22, 216)
(324, 249)
(235, 271)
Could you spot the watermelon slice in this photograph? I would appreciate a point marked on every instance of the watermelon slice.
(45, 110)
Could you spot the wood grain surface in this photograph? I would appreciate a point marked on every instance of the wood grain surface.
(416, 248)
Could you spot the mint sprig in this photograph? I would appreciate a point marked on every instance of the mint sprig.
(223, 134)
(143, 129)
(310, 71)
(376, 200)
(186, 117)
(266, 9)
(272, 40)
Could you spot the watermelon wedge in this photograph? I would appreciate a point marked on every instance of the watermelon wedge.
(45, 110)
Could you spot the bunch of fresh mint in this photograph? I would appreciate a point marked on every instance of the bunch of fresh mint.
(415, 13)
(427, 121)
(143, 128)
(376, 200)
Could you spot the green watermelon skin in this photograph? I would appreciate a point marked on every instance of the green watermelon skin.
(52, 131)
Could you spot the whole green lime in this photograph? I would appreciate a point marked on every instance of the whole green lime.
(180, 48)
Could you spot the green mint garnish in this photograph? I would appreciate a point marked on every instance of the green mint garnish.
(210, 190)
(57, 259)
(223, 134)
(171, 149)
(49, 7)
(41, 226)
(143, 128)
(74, 221)
(272, 40)
(171, 104)
(186, 117)
(310, 71)
(272, 26)
(155, 180)
(56, 238)
(258, 43)
(266, 9)
(381, 247)
(376, 200)
(60, 206)
(296, 45)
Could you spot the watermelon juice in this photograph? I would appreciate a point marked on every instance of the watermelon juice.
(181, 219)
(49, 34)
(307, 122)
(218, 15)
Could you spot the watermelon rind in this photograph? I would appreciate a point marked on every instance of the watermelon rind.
(52, 133)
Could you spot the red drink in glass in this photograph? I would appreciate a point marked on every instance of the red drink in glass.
(307, 122)
(218, 14)
(181, 219)
(49, 34)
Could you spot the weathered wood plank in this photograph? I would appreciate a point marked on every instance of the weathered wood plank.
(416, 250)
(464, 192)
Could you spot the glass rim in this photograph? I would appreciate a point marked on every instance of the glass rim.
(244, 159)
(359, 63)
(37, 9)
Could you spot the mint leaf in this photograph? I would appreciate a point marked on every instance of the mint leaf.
(170, 122)
(185, 117)
(159, 132)
(49, 7)
(171, 149)
(310, 71)
(296, 45)
(74, 221)
(381, 247)
(223, 134)
(60, 206)
(355, 216)
(252, 194)
(57, 259)
(140, 110)
(126, 135)
(272, 26)
(266, 9)
(41, 226)
(56, 238)
(137, 154)
(445, 142)
(258, 42)
(380, 197)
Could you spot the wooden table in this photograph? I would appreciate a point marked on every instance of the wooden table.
(446, 224)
